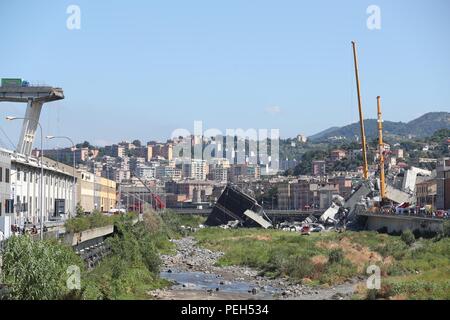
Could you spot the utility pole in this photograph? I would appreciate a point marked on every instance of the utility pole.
(361, 117)
(381, 149)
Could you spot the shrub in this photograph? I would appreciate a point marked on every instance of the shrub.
(36, 270)
(446, 228)
(336, 256)
(395, 249)
(371, 294)
(408, 237)
(299, 267)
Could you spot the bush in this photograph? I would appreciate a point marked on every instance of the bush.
(395, 249)
(446, 229)
(299, 267)
(408, 237)
(133, 267)
(94, 220)
(336, 256)
(371, 294)
(36, 270)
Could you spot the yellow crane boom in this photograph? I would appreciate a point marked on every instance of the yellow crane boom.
(381, 149)
(361, 117)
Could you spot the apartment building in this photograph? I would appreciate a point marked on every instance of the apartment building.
(319, 168)
(337, 155)
(6, 205)
(244, 171)
(196, 169)
(95, 193)
(167, 172)
(443, 184)
(426, 192)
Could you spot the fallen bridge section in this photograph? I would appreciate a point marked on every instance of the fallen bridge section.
(235, 205)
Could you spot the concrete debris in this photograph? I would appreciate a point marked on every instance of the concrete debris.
(398, 196)
(257, 218)
(330, 213)
(410, 178)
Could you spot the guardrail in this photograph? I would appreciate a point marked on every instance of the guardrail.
(92, 255)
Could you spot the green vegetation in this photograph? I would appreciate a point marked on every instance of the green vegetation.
(177, 225)
(421, 271)
(319, 149)
(408, 237)
(336, 256)
(36, 270)
(133, 267)
(305, 167)
(277, 253)
(94, 220)
(446, 229)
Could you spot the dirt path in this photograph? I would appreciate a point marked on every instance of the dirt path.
(196, 277)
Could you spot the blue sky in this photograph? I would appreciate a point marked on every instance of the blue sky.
(140, 69)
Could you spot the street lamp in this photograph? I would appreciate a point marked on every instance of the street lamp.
(10, 118)
(74, 165)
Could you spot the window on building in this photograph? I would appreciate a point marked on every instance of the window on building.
(9, 206)
(25, 176)
(18, 174)
(7, 175)
(1, 175)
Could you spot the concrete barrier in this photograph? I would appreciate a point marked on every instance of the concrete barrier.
(399, 223)
(73, 239)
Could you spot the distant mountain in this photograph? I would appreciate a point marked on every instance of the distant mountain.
(421, 127)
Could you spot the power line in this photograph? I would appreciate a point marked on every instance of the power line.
(7, 137)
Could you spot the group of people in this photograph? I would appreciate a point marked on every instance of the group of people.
(16, 230)
(415, 211)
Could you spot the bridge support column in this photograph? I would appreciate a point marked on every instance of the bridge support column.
(29, 127)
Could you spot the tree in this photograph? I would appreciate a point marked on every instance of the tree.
(408, 237)
(85, 144)
(305, 166)
(80, 210)
(137, 143)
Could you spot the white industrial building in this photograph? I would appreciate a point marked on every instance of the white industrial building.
(20, 190)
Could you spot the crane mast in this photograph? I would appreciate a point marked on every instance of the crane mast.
(381, 149)
(361, 117)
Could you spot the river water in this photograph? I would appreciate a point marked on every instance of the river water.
(196, 280)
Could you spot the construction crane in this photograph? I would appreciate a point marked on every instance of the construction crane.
(381, 150)
(157, 202)
(361, 117)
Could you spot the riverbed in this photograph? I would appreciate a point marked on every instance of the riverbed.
(194, 275)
